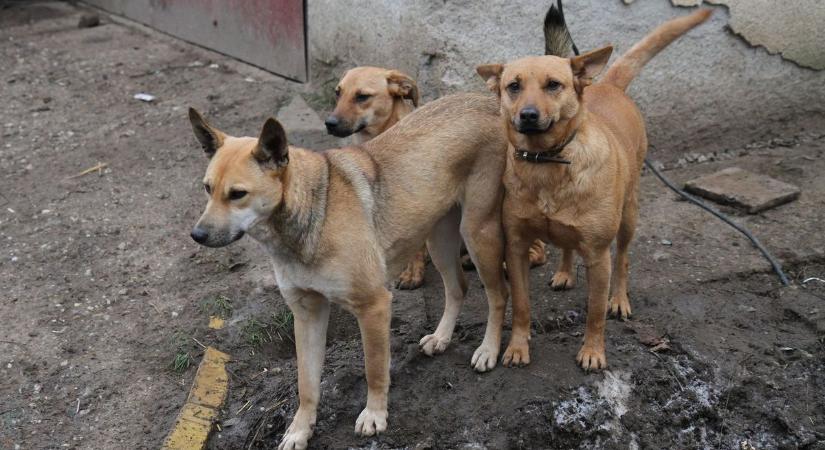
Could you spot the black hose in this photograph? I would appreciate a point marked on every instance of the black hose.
(777, 267)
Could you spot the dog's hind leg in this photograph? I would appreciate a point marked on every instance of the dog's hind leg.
(482, 232)
(444, 245)
(564, 277)
(413, 275)
(619, 302)
(538, 256)
(311, 316)
(374, 321)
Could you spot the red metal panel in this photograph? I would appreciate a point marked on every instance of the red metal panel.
(267, 33)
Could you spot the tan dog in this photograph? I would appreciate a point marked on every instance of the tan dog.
(340, 223)
(369, 100)
(573, 166)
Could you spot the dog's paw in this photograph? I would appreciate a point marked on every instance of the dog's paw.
(467, 263)
(296, 437)
(433, 344)
(411, 278)
(592, 357)
(484, 358)
(536, 254)
(619, 306)
(562, 281)
(371, 422)
(517, 354)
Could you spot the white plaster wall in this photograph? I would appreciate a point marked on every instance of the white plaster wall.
(710, 90)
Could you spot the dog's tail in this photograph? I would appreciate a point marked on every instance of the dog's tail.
(557, 39)
(625, 69)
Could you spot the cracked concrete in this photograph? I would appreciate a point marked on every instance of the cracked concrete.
(766, 23)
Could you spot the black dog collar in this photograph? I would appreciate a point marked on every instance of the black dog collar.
(549, 156)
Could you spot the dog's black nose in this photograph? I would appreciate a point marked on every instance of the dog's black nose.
(331, 122)
(199, 235)
(529, 114)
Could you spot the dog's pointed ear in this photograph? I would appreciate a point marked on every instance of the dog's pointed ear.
(210, 138)
(589, 65)
(272, 146)
(492, 76)
(402, 85)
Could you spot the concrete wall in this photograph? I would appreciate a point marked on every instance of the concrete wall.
(711, 90)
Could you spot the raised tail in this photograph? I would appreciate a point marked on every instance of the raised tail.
(625, 69)
(557, 39)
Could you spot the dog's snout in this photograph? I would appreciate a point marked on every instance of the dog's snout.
(331, 122)
(529, 114)
(199, 235)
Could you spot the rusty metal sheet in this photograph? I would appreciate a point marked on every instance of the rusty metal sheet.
(270, 34)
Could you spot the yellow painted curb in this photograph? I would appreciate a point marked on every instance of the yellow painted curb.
(208, 393)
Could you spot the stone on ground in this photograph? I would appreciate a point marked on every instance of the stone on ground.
(740, 188)
(304, 127)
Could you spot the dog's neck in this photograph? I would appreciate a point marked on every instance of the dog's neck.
(294, 229)
(576, 151)
(400, 109)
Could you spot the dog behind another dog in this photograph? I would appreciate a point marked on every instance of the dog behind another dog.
(368, 101)
(573, 166)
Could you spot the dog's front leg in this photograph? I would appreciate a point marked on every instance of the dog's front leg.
(591, 355)
(518, 269)
(374, 321)
(311, 316)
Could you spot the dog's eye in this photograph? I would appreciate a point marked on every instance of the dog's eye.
(553, 85)
(236, 194)
(337, 92)
(361, 98)
(513, 87)
(208, 189)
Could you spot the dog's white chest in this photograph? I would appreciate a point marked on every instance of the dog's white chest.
(296, 275)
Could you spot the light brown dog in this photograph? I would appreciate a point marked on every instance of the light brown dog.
(369, 100)
(339, 224)
(573, 166)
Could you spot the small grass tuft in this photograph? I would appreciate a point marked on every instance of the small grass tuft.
(182, 358)
(255, 333)
(282, 324)
(220, 306)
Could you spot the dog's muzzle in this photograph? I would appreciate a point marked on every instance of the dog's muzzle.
(340, 129)
(532, 128)
(221, 239)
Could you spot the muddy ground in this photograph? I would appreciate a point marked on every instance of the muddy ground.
(102, 287)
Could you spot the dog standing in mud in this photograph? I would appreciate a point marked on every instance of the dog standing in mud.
(340, 223)
(575, 155)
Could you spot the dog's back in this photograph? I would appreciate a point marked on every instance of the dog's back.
(425, 163)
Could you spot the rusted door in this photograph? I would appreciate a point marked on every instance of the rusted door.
(270, 34)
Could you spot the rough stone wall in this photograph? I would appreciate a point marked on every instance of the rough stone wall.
(710, 90)
(792, 29)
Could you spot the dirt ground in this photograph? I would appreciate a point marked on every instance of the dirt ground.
(102, 287)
